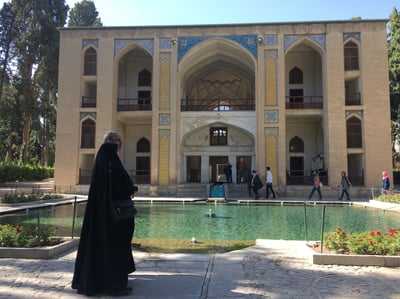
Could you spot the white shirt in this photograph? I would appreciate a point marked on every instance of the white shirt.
(269, 176)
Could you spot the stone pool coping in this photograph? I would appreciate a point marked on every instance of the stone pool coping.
(352, 259)
(45, 252)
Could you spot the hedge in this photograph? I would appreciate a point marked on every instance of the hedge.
(12, 173)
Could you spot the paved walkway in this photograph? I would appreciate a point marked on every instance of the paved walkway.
(270, 269)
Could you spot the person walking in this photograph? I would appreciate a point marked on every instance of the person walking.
(269, 183)
(385, 183)
(316, 185)
(104, 257)
(228, 172)
(345, 185)
(256, 183)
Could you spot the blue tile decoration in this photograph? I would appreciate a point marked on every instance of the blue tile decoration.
(271, 39)
(354, 35)
(164, 119)
(165, 56)
(317, 38)
(90, 42)
(271, 116)
(271, 53)
(147, 44)
(360, 113)
(185, 43)
(165, 43)
(88, 114)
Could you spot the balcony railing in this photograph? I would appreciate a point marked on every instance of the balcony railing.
(142, 104)
(88, 102)
(217, 105)
(353, 99)
(304, 102)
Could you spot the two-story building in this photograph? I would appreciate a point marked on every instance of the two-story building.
(293, 96)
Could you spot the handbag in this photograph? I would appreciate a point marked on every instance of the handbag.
(120, 209)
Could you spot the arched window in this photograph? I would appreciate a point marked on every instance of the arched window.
(354, 132)
(88, 133)
(296, 76)
(143, 146)
(351, 56)
(90, 62)
(296, 145)
(144, 78)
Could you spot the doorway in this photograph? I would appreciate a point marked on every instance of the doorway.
(217, 166)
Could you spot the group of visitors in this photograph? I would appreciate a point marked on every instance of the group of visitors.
(104, 257)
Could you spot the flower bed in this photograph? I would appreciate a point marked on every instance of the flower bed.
(44, 252)
(358, 249)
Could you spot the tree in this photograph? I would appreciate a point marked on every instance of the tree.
(29, 49)
(394, 76)
(84, 13)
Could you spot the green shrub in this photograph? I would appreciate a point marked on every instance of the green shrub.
(27, 237)
(13, 172)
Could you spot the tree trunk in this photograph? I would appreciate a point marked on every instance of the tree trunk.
(25, 137)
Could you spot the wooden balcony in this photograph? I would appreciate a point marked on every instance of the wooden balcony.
(304, 102)
(142, 104)
(217, 105)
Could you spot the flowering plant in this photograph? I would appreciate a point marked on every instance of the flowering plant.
(28, 237)
(373, 242)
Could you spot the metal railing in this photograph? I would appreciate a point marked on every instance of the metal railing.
(88, 102)
(353, 99)
(304, 102)
(141, 104)
(218, 104)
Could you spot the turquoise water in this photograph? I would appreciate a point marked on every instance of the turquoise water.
(231, 222)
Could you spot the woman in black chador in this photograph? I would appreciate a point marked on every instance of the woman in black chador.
(104, 258)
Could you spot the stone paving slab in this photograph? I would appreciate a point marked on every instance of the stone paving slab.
(270, 269)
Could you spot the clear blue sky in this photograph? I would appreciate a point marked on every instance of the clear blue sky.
(195, 12)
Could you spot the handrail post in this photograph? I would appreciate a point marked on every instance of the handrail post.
(73, 219)
(322, 228)
(305, 221)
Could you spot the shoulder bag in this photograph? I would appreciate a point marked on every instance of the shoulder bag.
(120, 210)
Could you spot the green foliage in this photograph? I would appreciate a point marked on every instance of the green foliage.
(394, 76)
(369, 243)
(12, 173)
(19, 198)
(26, 237)
(393, 198)
(84, 13)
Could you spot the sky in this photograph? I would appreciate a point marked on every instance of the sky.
(195, 12)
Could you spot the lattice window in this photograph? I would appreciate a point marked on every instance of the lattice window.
(218, 136)
(90, 62)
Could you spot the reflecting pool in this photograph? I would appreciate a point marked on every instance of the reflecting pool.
(225, 221)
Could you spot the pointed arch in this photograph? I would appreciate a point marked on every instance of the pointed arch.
(90, 62)
(143, 145)
(144, 78)
(354, 132)
(296, 145)
(351, 59)
(296, 76)
(88, 133)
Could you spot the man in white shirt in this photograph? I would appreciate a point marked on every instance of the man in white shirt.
(269, 183)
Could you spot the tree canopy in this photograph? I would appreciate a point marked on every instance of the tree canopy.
(84, 13)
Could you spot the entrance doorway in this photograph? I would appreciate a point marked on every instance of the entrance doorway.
(217, 166)
(193, 170)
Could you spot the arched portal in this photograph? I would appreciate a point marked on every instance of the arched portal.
(217, 90)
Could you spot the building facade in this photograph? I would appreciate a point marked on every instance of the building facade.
(296, 97)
